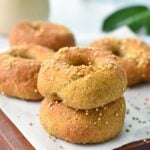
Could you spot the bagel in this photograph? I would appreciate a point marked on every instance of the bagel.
(133, 54)
(82, 78)
(19, 69)
(83, 126)
(50, 35)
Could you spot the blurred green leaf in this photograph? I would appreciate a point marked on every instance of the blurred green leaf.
(135, 17)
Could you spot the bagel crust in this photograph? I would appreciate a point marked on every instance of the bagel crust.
(31, 51)
(83, 78)
(133, 54)
(50, 35)
(83, 126)
(19, 70)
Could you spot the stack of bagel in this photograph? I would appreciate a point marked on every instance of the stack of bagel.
(83, 90)
(82, 87)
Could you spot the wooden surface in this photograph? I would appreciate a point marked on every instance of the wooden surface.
(137, 145)
(10, 137)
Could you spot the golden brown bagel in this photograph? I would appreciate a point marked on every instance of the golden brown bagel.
(82, 78)
(42, 33)
(31, 51)
(19, 69)
(134, 56)
(83, 126)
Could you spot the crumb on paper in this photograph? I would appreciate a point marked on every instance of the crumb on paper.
(128, 111)
(30, 124)
(137, 108)
(147, 132)
(146, 99)
(130, 125)
(127, 130)
(61, 147)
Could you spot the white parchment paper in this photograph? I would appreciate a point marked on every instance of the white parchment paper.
(137, 123)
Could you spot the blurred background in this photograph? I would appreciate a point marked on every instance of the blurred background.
(83, 17)
(86, 16)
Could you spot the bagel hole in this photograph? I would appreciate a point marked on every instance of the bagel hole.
(78, 61)
(117, 52)
(23, 56)
(34, 26)
(17, 54)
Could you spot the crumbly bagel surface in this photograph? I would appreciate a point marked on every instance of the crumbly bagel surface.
(134, 56)
(82, 78)
(50, 35)
(19, 71)
(83, 126)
